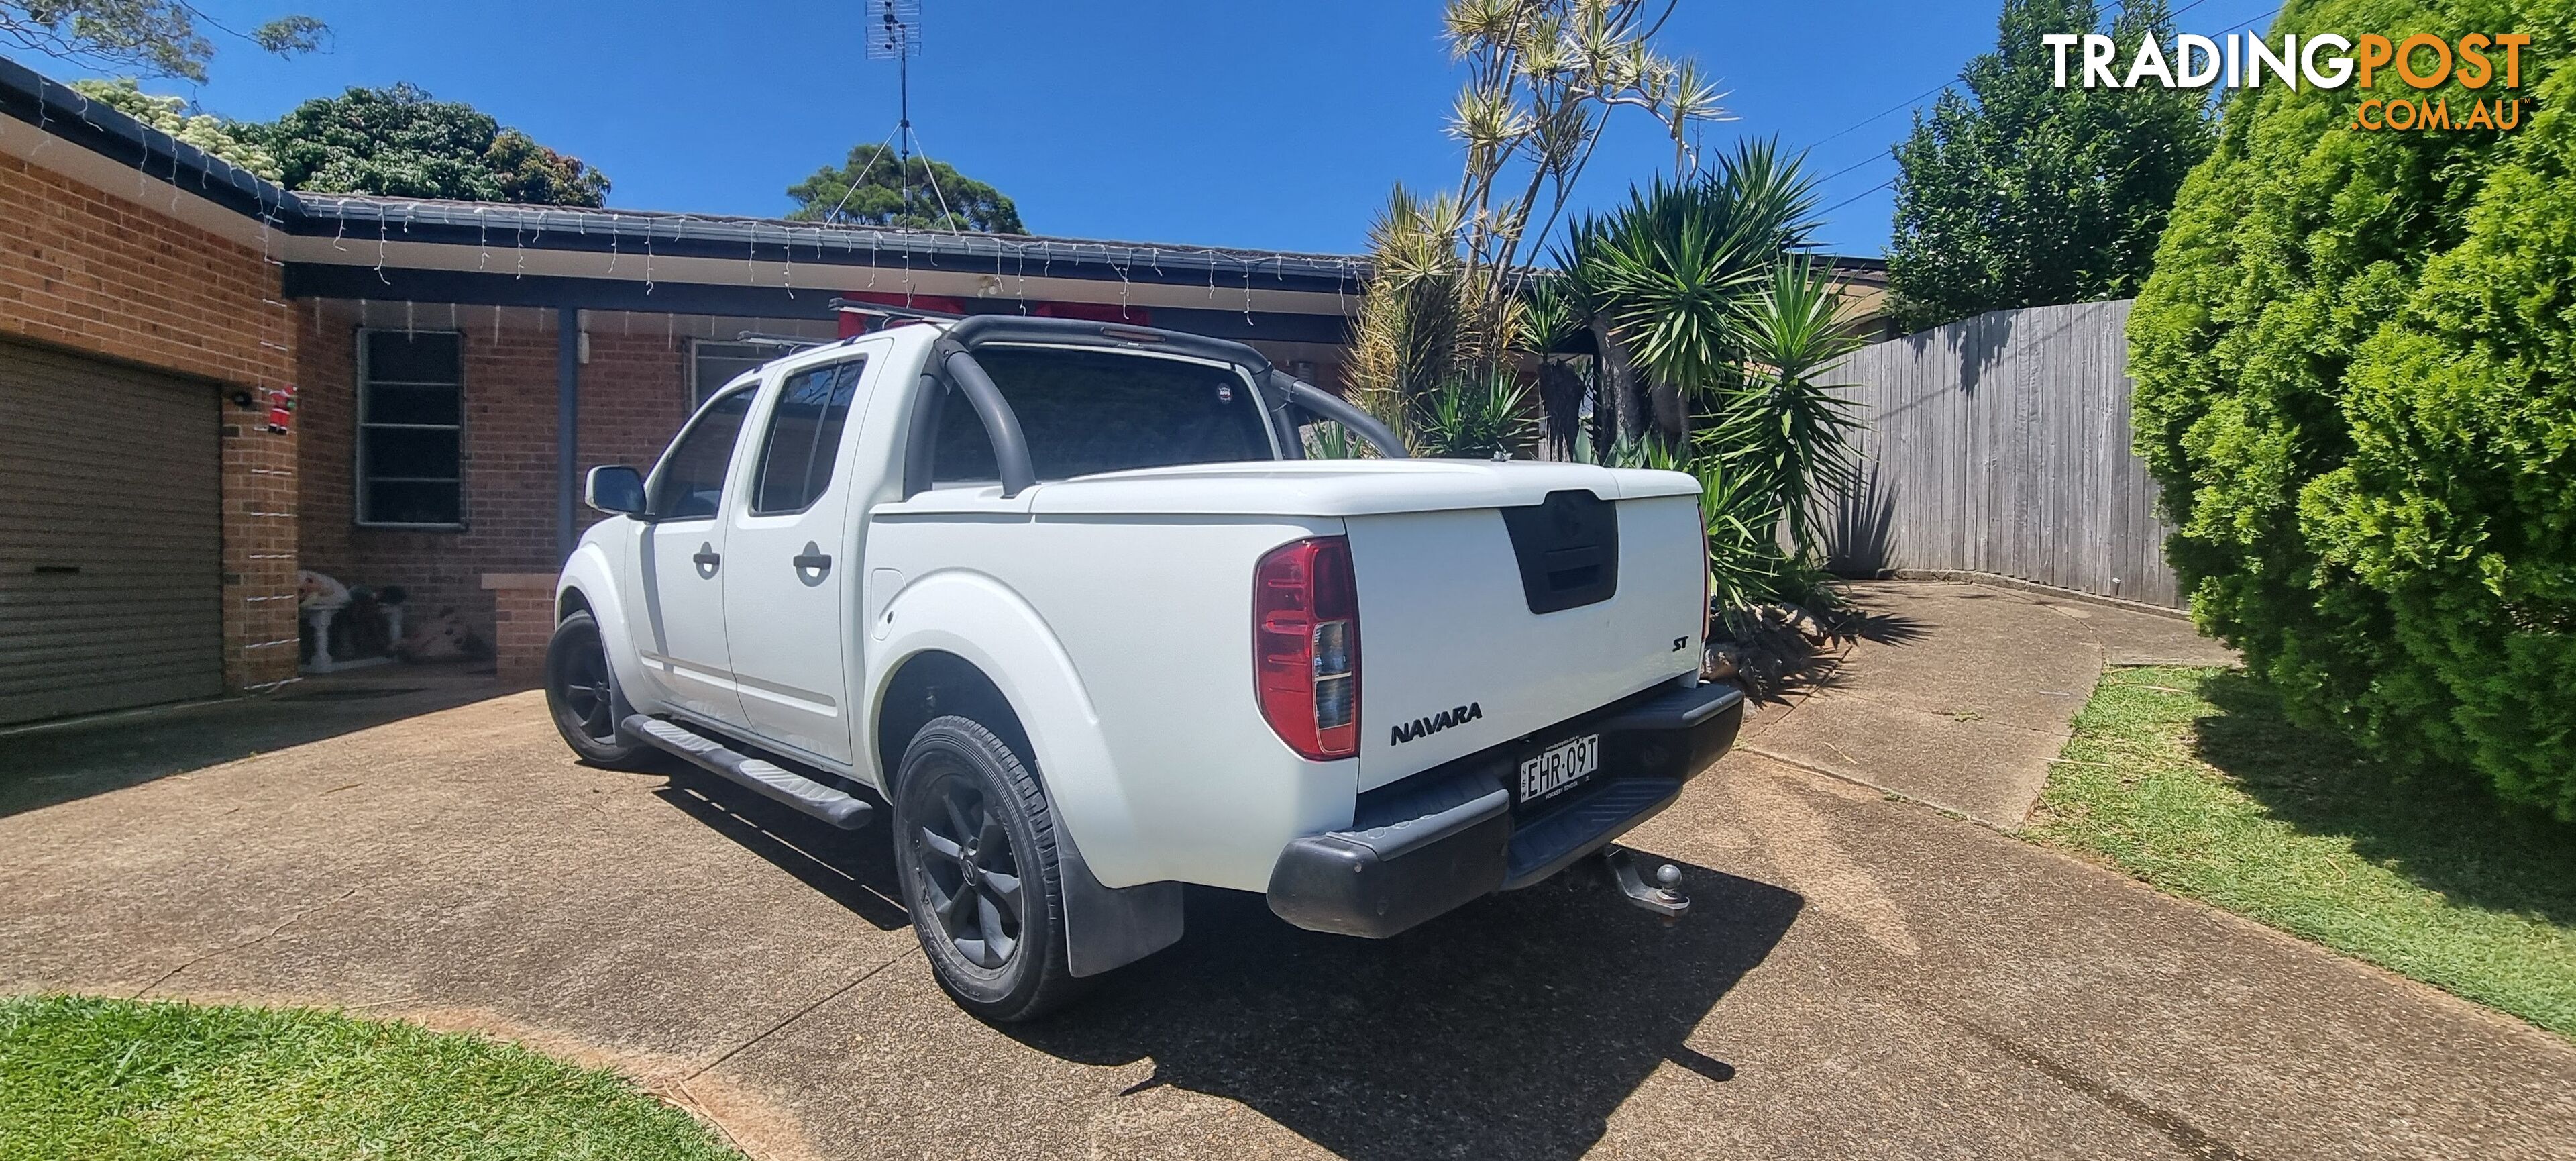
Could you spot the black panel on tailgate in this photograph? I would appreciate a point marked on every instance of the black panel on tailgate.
(1568, 545)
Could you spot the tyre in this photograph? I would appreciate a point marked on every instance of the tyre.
(581, 692)
(974, 845)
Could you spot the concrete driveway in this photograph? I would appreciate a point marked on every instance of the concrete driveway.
(1862, 977)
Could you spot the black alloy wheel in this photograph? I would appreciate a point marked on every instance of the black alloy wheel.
(975, 850)
(970, 877)
(581, 692)
(586, 697)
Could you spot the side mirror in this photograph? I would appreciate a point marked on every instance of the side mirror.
(615, 489)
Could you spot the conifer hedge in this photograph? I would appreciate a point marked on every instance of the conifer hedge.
(2356, 382)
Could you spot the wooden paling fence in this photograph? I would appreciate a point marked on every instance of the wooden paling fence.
(2000, 444)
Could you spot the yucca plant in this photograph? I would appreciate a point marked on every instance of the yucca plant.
(1476, 415)
(1545, 320)
(1779, 429)
(1413, 329)
(1664, 280)
(1745, 563)
(1327, 440)
(1549, 316)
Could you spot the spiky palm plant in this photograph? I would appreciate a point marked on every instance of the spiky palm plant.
(1780, 428)
(1664, 279)
(1546, 320)
(1475, 415)
(1412, 328)
(1327, 440)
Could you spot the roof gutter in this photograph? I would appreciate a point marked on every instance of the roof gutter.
(63, 113)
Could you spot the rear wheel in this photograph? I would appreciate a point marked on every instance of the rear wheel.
(581, 692)
(975, 845)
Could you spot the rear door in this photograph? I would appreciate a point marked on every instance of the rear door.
(681, 565)
(794, 561)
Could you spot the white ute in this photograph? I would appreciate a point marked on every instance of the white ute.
(1069, 600)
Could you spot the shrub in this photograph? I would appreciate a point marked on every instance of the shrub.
(2356, 382)
(1472, 415)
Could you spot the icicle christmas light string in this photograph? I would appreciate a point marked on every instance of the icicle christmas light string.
(1009, 256)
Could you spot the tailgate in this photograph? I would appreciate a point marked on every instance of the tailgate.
(1481, 625)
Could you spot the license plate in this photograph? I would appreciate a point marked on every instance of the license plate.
(1560, 766)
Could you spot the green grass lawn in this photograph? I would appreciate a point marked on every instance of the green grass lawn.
(95, 1079)
(2191, 780)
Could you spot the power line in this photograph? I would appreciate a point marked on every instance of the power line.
(1918, 98)
(1856, 197)
(1891, 180)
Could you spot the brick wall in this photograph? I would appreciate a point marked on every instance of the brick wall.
(94, 272)
(633, 397)
(523, 609)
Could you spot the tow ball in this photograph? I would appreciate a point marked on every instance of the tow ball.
(1668, 904)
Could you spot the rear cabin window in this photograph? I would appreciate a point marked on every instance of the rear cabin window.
(1086, 412)
(804, 438)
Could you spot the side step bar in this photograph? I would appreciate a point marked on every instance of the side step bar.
(766, 779)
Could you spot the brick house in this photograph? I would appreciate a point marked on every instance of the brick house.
(454, 368)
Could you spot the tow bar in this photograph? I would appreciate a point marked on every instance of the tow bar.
(1668, 904)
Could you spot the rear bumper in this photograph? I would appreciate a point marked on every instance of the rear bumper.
(1428, 843)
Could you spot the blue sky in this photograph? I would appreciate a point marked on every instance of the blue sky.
(1212, 122)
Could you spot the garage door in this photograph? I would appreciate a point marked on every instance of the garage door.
(111, 549)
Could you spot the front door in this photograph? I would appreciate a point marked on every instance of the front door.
(682, 565)
(792, 562)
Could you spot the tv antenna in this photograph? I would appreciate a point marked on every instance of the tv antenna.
(894, 33)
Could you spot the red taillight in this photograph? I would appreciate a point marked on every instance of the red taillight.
(1306, 646)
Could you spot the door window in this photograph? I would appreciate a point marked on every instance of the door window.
(804, 438)
(691, 478)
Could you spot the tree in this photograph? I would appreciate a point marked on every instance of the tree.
(230, 140)
(160, 37)
(400, 142)
(2356, 386)
(2024, 194)
(877, 188)
(1542, 79)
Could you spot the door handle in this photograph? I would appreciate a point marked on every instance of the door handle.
(705, 557)
(813, 559)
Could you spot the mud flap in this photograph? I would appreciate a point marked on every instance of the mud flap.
(1111, 927)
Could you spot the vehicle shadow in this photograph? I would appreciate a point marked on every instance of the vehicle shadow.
(2443, 830)
(50, 763)
(1513, 1027)
(852, 868)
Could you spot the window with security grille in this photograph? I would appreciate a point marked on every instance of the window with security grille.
(411, 414)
